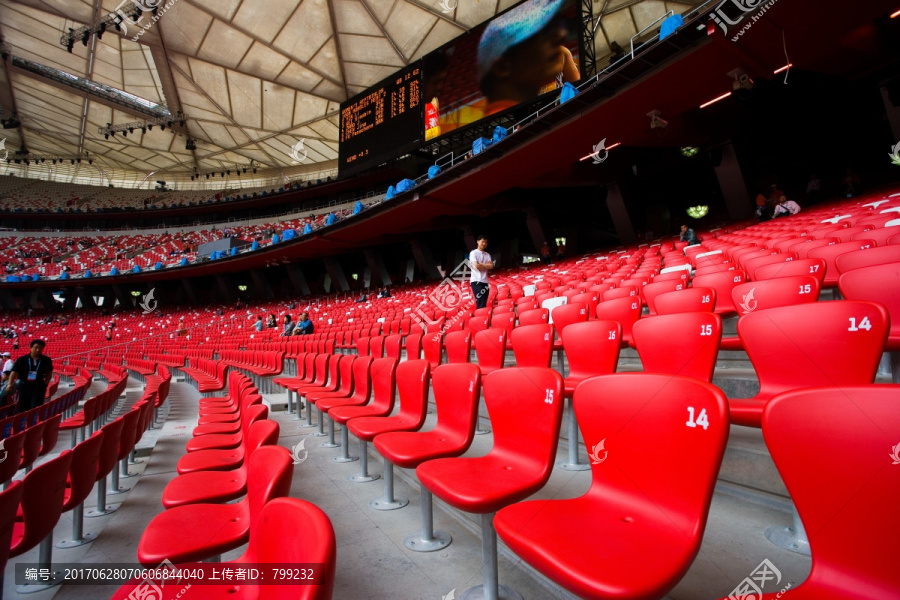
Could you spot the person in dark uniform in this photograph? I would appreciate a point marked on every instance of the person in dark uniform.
(33, 371)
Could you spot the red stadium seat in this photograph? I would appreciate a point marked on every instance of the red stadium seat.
(806, 266)
(456, 392)
(652, 290)
(490, 349)
(722, 283)
(879, 283)
(533, 345)
(684, 344)
(867, 258)
(458, 345)
(838, 500)
(519, 462)
(650, 508)
(838, 343)
(43, 493)
(626, 311)
(830, 253)
(592, 349)
(197, 532)
(413, 377)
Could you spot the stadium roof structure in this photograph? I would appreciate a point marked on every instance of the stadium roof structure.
(245, 80)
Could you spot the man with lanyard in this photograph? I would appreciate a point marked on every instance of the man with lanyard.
(480, 263)
(33, 371)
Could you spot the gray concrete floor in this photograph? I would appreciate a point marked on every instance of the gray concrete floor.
(372, 562)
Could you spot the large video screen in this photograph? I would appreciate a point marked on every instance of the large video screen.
(527, 51)
(381, 123)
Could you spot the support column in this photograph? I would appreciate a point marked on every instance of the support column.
(188, 288)
(376, 264)
(46, 299)
(263, 289)
(892, 108)
(424, 259)
(615, 203)
(411, 269)
(734, 189)
(336, 271)
(6, 300)
(225, 287)
(120, 295)
(534, 228)
(469, 238)
(33, 298)
(298, 279)
(87, 300)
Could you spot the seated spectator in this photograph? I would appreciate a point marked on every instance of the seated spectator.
(259, 323)
(851, 184)
(305, 325)
(688, 235)
(271, 322)
(362, 298)
(786, 208)
(813, 188)
(545, 253)
(386, 293)
(288, 326)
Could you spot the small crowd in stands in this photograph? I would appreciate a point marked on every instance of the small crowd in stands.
(302, 327)
(548, 252)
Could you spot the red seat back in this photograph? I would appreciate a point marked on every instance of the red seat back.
(376, 346)
(83, 470)
(109, 450)
(830, 253)
(392, 346)
(806, 266)
(276, 536)
(31, 449)
(412, 385)
(838, 499)
(825, 343)
(623, 416)
(535, 316)
(652, 290)
(129, 430)
(457, 389)
(490, 348)
(51, 434)
(413, 346)
(12, 456)
(697, 336)
(723, 284)
(692, 299)
(878, 283)
(432, 344)
(772, 293)
(269, 475)
(42, 502)
(592, 349)
(458, 345)
(865, 258)
(533, 345)
(9, 505)
(626, 311)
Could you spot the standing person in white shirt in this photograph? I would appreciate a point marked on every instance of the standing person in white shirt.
(480, 262)
(7, 362)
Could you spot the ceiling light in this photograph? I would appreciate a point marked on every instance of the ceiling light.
(784, 68)
(689, 151)
(895, 15)
(697, 212)
(714, 100)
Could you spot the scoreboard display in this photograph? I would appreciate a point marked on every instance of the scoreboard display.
(381, 123)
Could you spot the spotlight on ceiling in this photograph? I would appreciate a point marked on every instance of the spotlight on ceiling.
(656, 120)
(697, 212)
(741, 81)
